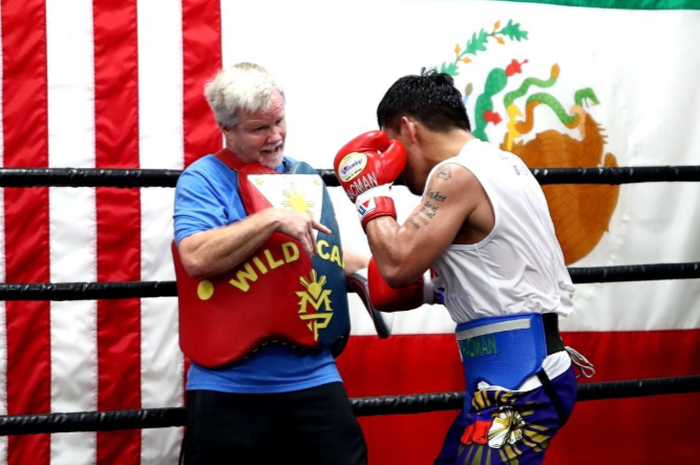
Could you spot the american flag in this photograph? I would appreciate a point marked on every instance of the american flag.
(107, 84)
(98, 84)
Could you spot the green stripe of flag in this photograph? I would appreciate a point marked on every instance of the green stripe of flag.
(624, 4)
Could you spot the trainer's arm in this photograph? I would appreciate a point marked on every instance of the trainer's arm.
(215, 251)
(354, 262)
(403, 253)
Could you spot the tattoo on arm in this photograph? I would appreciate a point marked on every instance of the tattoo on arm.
(435, 196)
(420, 217)
(432, 198)
(413, 223)
(445, 173)
(425, 214)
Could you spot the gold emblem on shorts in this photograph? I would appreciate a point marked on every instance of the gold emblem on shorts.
(507, 428)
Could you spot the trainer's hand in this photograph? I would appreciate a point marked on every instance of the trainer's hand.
(366, 167)
(299, 226)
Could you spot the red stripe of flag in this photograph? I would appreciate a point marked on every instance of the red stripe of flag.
(25, 121)
(638, 429)
(201, 55)
(118, 222)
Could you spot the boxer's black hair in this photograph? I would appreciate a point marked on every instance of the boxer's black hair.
(430, 97)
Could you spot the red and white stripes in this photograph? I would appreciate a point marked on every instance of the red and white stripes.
(97, 84)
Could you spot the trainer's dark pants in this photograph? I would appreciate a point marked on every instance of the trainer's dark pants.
(310, 426)
(501, 427)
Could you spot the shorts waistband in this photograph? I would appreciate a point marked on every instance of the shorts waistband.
(480, 327)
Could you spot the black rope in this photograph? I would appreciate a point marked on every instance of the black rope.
(624, 175)
(364, 406)
(653, 272)
(131, 178)
(87, 177)
(616, 176)
(87, 291)
(144, 289)
(639, 388)
(91, 421)
(422, 403)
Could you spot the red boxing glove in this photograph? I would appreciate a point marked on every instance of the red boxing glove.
(388, 299)
(366, 167)
(381, 300)
(376, 293)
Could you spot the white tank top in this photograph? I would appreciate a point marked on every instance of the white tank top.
(519, 267)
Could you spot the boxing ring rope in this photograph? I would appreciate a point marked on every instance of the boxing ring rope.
(370, 406)
(130, 178)
(144, 289)
(364, 406)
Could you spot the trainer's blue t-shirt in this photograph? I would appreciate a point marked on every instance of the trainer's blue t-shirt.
(206, 197)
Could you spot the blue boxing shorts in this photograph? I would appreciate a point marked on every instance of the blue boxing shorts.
(503, 427)
(501, 424)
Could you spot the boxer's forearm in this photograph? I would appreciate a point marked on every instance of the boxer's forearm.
(395, 257)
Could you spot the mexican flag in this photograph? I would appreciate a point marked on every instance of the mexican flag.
(104, 84)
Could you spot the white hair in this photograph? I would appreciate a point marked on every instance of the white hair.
(241, 87)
